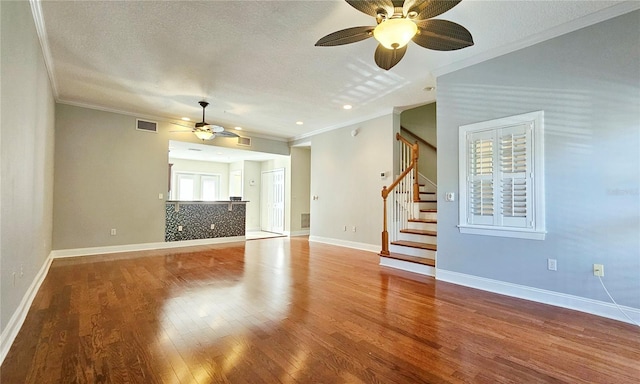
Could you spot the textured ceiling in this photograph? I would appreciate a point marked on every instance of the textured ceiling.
(256, 63)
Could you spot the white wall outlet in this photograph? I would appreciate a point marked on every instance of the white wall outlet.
(450, 196)
(179, 228)
(552, 264)
(213, 226)
(598, 269)
(160, 196)
(354, 228)
(113, 231)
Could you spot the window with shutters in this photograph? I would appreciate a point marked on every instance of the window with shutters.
(502, 177)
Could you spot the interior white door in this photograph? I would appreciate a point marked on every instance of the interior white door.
(272, 200)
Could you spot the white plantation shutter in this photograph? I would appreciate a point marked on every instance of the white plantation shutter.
(500, 194)
(481, 178)
(515, 176)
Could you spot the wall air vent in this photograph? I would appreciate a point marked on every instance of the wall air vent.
(245, 141)
(147, 126)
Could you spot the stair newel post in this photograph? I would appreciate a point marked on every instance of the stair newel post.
(385, 234)
(416, 182)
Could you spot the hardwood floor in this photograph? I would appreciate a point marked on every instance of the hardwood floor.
(285, 310)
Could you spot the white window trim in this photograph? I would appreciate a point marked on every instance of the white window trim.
(538, 231)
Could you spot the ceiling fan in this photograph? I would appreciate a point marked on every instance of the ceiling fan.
(398, 23)
(206, 131)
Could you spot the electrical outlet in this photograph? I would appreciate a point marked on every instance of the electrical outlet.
(598, 270)
(552, 264)
(213, 226)
(179, 228)
(160, 196)
(354, 228)
(113, 231)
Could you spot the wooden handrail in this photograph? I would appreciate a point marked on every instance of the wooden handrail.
(420, 139)
(400, 138)
(386, 190)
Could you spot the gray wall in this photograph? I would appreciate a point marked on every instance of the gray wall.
(26, 156)
(346, 178)
(109, 175)
(422, 121)
(300, 186)
(588, 84)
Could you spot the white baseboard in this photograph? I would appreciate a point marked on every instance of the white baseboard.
(60, 253)
(304, 232)
(17, 319)
(582, 304)
(407, 266)
(346, 243)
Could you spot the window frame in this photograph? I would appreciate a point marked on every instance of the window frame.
(535, 229)
(197, 178)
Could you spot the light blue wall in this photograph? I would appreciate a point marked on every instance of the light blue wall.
(588, 84)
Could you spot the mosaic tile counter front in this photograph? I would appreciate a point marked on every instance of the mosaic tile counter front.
(196, 218)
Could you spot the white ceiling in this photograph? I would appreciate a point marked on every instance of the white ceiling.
(256, 63)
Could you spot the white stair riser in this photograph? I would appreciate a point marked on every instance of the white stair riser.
(408, 266)
(423, 226)
(426, 239)
(429, 205)
(418, 207)
(428, 215)
(412, 251)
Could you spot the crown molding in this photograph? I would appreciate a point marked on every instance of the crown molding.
(36, 12)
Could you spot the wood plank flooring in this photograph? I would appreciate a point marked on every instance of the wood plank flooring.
(289, 311)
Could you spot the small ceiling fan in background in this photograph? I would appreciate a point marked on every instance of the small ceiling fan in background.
(206, 131)
(398, 23)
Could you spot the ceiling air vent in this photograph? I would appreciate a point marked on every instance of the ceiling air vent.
(245, 141)
(147, 126)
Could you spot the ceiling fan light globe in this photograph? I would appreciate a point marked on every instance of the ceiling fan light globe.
(395, 33)
(204, 135)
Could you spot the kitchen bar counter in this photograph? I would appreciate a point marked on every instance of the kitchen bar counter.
(190, 220)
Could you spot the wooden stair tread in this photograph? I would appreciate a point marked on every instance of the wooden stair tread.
(429, 210)
(427, 201)
(414, 244)
(428, 221)
(419, 232)
(413, 259)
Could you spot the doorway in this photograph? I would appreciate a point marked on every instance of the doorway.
(272, 201)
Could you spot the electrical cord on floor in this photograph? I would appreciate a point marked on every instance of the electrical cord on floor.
(614, 302)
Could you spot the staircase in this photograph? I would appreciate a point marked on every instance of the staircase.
(412, 213)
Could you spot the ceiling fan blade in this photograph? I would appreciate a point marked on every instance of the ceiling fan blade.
(427, 9)
(372, 7)
(346, 36)
(226, 134)
(387, 58)
(442, 35)
(182, 125)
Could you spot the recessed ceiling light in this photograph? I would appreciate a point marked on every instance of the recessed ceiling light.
(238, 128)
(299, 122)
(186, 119)
(347, 106)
